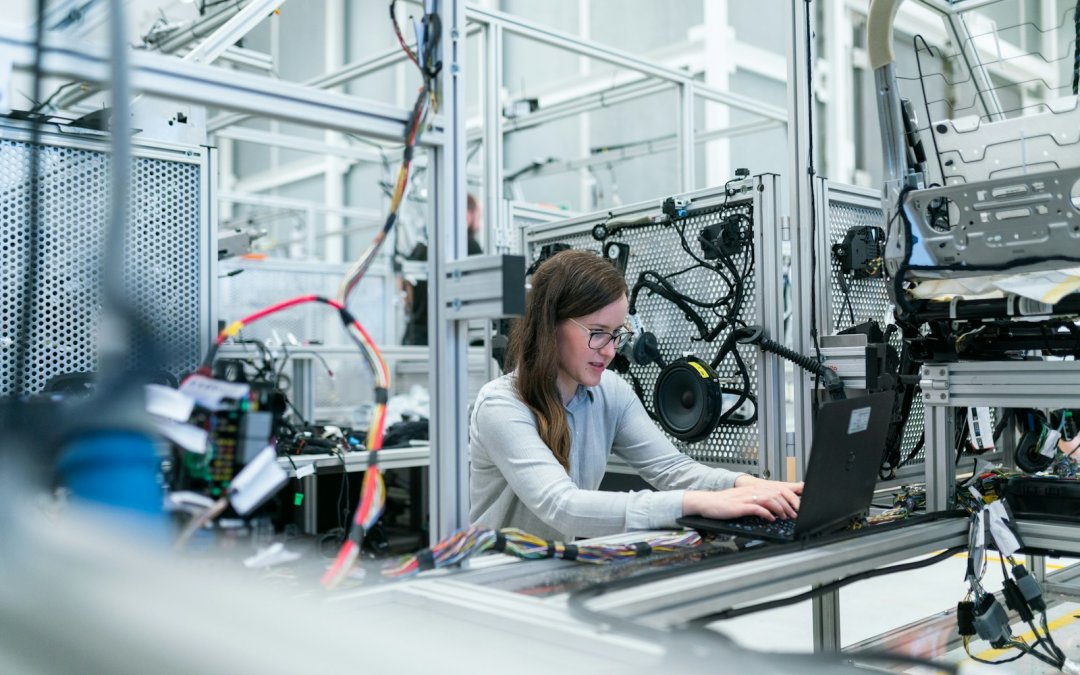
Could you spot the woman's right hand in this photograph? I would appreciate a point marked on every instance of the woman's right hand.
(768, 499)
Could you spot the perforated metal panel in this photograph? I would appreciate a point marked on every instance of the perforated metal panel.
(658, 247)
(867, 299)
(165, 271)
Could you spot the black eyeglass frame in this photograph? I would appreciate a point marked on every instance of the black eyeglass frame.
(620, 336)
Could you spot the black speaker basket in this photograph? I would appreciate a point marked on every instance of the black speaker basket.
(688, 399)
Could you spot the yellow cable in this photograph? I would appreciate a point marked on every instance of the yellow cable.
(1029, 636)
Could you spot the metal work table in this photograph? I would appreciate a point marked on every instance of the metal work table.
(684, 587)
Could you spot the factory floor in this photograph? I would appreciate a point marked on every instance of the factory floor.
(871, 611)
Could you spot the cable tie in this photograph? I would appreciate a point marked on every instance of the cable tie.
(425, 560)
(356, 535)
(373, 459)
(382, 396)
(550, 549)
(642, 548)
(570, 552)
(500, 542)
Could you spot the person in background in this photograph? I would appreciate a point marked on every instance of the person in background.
(541, 435)
(416, 310)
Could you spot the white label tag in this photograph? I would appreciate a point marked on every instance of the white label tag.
(860, 420)
(978, 548)
(168, 402)
(212, 394)
(306, 470)
(257, 482)
(979, 428)
(1049, 444)
(1004, 538)
(187, 436)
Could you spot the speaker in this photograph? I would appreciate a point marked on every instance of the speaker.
(688, 399)
(1028, 457)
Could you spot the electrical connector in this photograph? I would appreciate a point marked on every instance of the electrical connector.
(1029, 588)
(992, 622)
(965, 617)
(1015, 601)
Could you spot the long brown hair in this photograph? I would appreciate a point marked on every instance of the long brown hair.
(569, 284)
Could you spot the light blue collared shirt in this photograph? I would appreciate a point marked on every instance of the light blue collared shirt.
(516, 481)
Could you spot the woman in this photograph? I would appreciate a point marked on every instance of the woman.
(541, 435)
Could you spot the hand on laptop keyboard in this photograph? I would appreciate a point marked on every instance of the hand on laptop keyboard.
(769, 500)
(778, 527)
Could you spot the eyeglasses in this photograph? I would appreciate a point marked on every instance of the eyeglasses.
(598, 339)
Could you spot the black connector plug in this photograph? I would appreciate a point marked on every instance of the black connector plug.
(1029, 588)
(965, 617)
(1014, 600)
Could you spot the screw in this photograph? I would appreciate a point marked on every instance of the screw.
(942, 397)
(456, 304)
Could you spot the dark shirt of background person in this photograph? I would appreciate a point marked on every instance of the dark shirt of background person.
(416, 295)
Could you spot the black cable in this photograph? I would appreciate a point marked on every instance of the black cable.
(926, 103)
(841, 279)
(343, 495)
(1076, 48)
(811, 172)
(30, 279)
(827, 588)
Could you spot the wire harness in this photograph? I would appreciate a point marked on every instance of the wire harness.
(981, 614)
(373, 493)
(473, 540)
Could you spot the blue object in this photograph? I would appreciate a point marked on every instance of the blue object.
(118, 469)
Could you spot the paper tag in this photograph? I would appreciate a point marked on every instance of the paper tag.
(1004, 538)
(187, 436)
(978, 544)
(168, 402)
(257, 482)
(859, 421)
(1049, 445)
(981, 431)
(306, 470)
(213, 394)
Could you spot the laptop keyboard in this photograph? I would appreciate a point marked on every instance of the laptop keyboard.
(756, 524)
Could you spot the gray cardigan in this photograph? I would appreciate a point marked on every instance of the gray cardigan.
(516, 481)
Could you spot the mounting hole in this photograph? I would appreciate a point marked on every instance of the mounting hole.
(941, 213)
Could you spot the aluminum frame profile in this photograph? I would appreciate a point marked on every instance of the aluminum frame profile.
(168, 77)
(448, 337)
(227, 25)
(1022, 384)
(648, 148)
(803, 210)
(675, 600)
(345, 74)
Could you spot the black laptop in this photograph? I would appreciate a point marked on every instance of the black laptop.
(849, 437)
